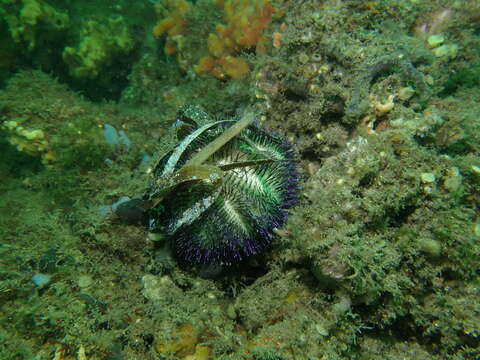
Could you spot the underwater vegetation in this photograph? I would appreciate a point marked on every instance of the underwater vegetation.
(151, 153)
(242, 28)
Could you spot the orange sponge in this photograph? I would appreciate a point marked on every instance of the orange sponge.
(245, 21)
(173, 24)
(234, 67)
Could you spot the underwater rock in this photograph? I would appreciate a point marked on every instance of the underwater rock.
(155, 288)
(106, 210)
(130, 211)
(41, 280)
(116, 138)
(102, 40)
(84, 281)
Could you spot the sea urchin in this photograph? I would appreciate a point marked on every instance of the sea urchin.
(220, 192)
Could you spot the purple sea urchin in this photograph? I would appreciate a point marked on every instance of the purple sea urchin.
(221, 191)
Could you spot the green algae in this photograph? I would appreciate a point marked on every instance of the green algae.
(374, 263)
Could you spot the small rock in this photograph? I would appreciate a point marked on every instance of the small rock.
(447, 51)
(435, 40)
(430, 247)
(406, 93)
(231, 312)
(427, 178)
(477, 229)
(157, 288)
(322, 330)
(453, 179)
(41, 280)
(84, 281)
(110, 134)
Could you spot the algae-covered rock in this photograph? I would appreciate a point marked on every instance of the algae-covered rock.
(38, 126)
(100, 41)
(379, 259)
(32, 20)
(387, 216)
